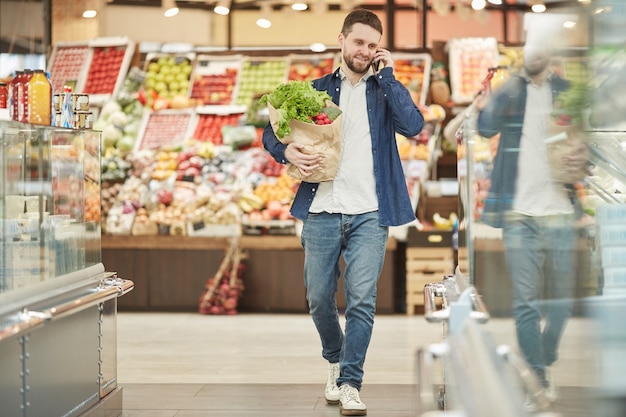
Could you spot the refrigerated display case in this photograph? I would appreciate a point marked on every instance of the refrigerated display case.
(58, 305)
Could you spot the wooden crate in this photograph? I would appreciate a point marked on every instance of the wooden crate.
(423, 266)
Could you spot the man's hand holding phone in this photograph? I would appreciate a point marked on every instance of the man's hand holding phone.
(382, 58)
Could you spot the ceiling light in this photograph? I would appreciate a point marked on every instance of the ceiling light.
(91, 9)
(605, 9)
(222, 8)
(496, 2)
(299, 6)
(569, 24)
(264, 21)
(479, 4)
(317, 47)
(169, 8)
(538, 8)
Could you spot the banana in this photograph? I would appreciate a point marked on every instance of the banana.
(245, 206)
(441, 222)
(253, 200)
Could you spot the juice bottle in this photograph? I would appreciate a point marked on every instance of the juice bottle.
(39, 99)
(22, 96)
(4, 96)
(13, 87)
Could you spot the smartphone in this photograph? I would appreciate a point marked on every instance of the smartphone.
(376, 66)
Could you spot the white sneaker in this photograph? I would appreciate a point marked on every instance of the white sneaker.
(331, 393)
(540, 400)
(349, 402)
(551, 392)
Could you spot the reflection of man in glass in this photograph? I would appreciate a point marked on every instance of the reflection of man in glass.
(536, 213)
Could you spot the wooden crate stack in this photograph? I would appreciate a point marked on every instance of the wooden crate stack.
(424, 265)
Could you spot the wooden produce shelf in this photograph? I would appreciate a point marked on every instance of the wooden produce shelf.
(170, 272)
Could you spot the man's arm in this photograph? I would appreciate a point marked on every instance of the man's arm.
(273, 145)
(408, 119)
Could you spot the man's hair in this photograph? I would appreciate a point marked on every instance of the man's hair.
(363, 16)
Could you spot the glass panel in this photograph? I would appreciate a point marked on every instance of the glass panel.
(49, 202)
(545, 250)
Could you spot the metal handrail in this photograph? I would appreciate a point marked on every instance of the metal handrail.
(449, 291)
(28, 320)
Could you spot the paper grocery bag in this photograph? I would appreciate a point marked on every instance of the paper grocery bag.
(318, 139)
(567, 153)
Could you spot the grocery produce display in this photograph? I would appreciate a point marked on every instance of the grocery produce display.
(209, 126)
(413, 72)
(167, 127)
(194, 189)
(469, 62)
(304, 68)
(104, 69)
(168, 75)
(186, 162)
(214, 80)
(96, 67)
(66, 64)
(260, 77)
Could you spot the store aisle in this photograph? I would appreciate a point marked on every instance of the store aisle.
(267, 365)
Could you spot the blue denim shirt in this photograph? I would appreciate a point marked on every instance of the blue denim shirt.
(391, 110)
(504, 114)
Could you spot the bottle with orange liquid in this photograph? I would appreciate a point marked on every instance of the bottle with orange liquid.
(39, 99)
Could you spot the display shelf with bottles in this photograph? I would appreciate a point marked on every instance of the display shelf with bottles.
(56, 299)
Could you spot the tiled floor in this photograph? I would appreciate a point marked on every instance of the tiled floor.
(263, 365)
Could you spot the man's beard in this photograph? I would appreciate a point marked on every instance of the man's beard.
(533, 70)
(350, 64)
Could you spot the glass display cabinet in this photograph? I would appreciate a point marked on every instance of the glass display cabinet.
(594, 336)
(58, 305)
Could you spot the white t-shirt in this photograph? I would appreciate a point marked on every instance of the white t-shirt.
(536, 193)
(353, 190)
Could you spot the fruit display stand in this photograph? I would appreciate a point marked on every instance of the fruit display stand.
(66, 64)
(168, 75)
(310, 67)
(164, 128)
(413, 71)
(170, 272)
(469, 62)
(215, 79)
(260, 75)
(97, 68)
(210, 121)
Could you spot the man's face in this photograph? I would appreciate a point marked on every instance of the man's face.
(358, 47)
(536, 59)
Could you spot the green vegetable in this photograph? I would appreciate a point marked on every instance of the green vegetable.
(295, 100)
(331, 112)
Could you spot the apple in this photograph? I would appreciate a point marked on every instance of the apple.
(165, 197)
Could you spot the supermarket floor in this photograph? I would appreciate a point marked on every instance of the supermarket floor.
(266, 365)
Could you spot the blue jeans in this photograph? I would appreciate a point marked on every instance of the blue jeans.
(362, 242)
(539, 257)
